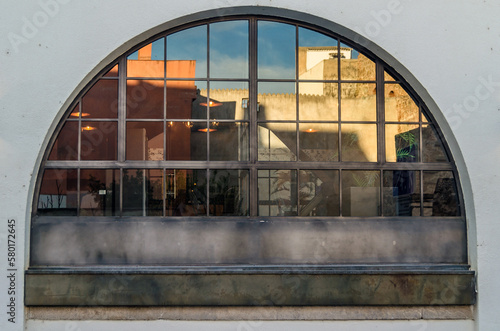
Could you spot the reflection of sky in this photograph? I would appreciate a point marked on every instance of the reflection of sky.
(276, 50)
(309, 38)
(229, 48)
(354, 54)
(157, 51)
(190, 44)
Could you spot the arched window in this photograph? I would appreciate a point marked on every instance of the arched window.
(248, 143)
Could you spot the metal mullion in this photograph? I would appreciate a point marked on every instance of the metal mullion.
(326, 81)
(318, 122)
(252, 116)
(79, 147)
(297, 91)
(207, 193)
(380, 112)
(421, 193)
(339, 111)
(141, 164)
(120, 209)
(277, 121)
(340, 192)
(380, 109)
(207, 108)
(122, 108)
(358, 122)
(100, 120)
(402, 123)
(163, 191)
(78, 191)
(421, 135)
(354, 166)
(381, 181)
(144, 120)
(276, 80)
(359, 81)
(243, 80)
(164, 111)
(145, 78)
(179, 79)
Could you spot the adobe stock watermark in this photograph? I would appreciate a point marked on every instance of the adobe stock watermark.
(32, 25)
(470, 103)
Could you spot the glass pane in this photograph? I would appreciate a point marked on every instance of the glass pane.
(319, 142)
(187, 53)
(319, 193)
(145, 141)
(229, 141)
(432, 148)
(101, 101)
(440, 194)
(58, 193)
(184, 99)
(113, 72)
(145, 98)
(277, 101)
(149, 61)
(66, 145)
(99, 141)
(399, 106)
(354, 65)
(358, 102)
(276, 50)
(99, 192)
(359, 142)
(228, 193)
(277, 142)
(360, 193)
(388, 77)
(186, 141)
(401, 143)
(318, 102)
(318, 56)
(277, 192)
(186, 192)
(228, 100)
(401, 193)
(229, 49)
(424, 118)
(142, 192)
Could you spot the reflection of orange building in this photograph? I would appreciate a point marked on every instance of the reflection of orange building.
(145, 99)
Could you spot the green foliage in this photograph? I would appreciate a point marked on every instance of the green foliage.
(366, 178)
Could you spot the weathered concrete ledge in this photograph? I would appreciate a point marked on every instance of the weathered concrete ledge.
(402, 288)
(252, 313)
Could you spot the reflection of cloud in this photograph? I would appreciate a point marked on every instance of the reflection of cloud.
(276, 72)
(224, 66)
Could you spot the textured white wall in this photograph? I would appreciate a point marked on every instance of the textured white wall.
(49, 49)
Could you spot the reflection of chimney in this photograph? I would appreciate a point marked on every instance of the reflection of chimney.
(145, 52)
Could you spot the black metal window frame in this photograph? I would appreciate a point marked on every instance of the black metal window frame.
(245, 279)
(253, 164)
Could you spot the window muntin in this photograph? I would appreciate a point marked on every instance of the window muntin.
(268, 137)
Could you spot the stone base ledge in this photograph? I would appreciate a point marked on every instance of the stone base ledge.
(252, 313)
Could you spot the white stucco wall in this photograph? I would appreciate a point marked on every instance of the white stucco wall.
(50, 49)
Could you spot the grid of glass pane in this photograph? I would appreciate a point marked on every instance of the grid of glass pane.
(201, 122)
